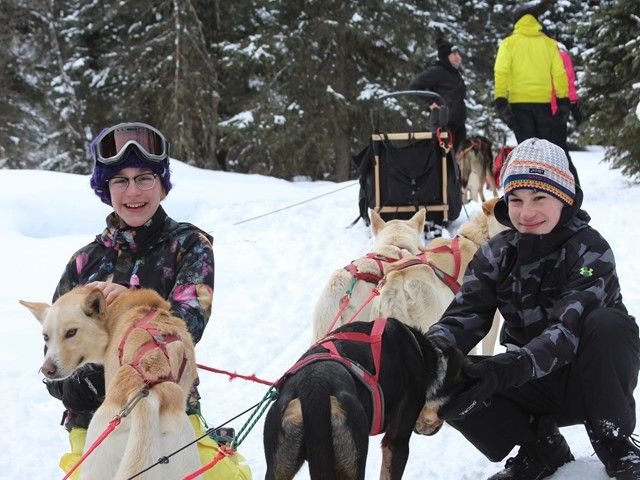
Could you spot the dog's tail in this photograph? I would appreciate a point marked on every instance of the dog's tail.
(144, 428)
(316, 404)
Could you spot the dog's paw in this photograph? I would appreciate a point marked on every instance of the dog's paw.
(428, 422)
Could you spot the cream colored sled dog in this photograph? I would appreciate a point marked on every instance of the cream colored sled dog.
(140, 344)
(393, 240)
(414, 293)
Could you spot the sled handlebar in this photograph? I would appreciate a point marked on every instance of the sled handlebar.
(429, 95)
(440, 117)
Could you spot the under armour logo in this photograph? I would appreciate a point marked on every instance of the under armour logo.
(586, 272)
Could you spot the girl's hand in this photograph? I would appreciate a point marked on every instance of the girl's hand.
(111, 291)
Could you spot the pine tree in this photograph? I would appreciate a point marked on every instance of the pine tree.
(48, 130)
(321, 67)
(156, 67)
(612, 64)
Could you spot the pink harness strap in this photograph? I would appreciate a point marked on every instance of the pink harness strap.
(374, 339)
(158, 340)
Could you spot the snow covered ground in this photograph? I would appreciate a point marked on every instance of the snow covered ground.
(269, 272)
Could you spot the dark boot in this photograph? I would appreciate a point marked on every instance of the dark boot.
(620, 456)
(536, 460)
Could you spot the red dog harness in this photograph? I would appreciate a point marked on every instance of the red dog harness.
(368, 380)
(423, 259)
(371, 277)
(450, 280)
(157, 341)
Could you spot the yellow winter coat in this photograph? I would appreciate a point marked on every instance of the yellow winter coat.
(526, 65)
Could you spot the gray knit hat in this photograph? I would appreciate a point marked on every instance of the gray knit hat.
(539, 165)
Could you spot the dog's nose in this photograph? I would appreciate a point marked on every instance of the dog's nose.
(49, 369)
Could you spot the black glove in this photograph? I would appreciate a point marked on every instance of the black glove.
(563, 109)
(576, 113)
(81, 392)
(503, 110)
(486, 378)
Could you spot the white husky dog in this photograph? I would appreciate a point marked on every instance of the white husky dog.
(414, 291)
(394, 239)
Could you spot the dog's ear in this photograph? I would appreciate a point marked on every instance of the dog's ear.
(377, 223)
(38, 309)
(488, 206)
(418, 219)
(94, 303)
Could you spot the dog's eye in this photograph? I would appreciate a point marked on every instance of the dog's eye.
(46, 337)
(70, 333)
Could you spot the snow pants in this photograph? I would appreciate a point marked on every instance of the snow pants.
(596, 389)
(531, 120)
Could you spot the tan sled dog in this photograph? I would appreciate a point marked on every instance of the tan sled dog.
(393, 240)
(415, 289)
(476, 168)
(145, 351)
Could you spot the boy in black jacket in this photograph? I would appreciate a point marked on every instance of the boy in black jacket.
(572, 349)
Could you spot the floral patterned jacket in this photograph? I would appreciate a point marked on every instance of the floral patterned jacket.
(175, 259)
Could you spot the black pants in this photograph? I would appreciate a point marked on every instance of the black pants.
(531, 120)
(459, 135)
(596, 389)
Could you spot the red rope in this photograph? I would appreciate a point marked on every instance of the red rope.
(221, 454)
(110, 428)
(343, 306)
(234, 375)
(374, 293)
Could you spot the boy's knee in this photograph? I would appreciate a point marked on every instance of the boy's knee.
(610, 332)
(609, 325)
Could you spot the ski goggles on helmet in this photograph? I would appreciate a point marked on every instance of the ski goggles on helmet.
(112, 144)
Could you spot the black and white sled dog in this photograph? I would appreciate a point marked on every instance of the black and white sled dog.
(364, 378)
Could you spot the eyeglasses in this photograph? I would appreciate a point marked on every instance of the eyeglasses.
(144, 181)
(112, 144)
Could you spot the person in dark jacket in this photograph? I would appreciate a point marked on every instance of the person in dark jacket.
(445, 79)
(141, 246)
(572, 349)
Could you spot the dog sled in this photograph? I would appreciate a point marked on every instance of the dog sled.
(403, 171)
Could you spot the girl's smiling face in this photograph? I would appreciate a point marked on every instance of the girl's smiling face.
(134, 205)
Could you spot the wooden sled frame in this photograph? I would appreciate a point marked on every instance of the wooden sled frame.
(444, 207)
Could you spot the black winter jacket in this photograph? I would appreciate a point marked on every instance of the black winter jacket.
(444, 79)
(543, 285)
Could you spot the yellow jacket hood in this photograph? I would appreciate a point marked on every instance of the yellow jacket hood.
(528, 65)
(527, 25)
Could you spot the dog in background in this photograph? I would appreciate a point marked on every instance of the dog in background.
(325, 411)
(475, 160)
(414, 290)
(146, 353)
(393, 240)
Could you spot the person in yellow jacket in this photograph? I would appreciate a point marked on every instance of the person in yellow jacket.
(528, 68)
